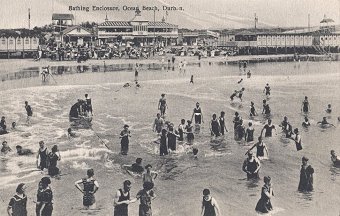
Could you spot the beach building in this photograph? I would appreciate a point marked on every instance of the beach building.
(60, 22)
(198, 37)
(139, 30)
(17, 42)
(78, 35)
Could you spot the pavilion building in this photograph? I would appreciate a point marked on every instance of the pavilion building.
(138, 30)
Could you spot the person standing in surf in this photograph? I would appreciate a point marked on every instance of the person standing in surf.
(149, 175)
(158, 124)
(88, 104)
(267, 90)
(264, 205)
(124, 142)
(268, 128)
(189, 132)
(252, 109)
(215, 126)
(209, 205)
(192, 79)
(146, 195)
(260, 147)
(306, 176)
(237, 121)
(42, 156)
(17, 204)
(266, 109)
(251, 166)
(181, 128)
(163, 146)
(305, 108)
(286, 127)
(249, 135)
(172, 138)
(136, 71)
(240, 131)
(198, 114)
(29, 112)
(3, 126)
(222, 123)
(297, 139)
(90, 187)
(122, 200)
(44, 205)
(162, 105)
(53, 158)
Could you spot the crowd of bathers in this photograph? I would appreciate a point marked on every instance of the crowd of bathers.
(168, 137)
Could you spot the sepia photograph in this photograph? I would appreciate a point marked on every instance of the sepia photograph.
(169, 107)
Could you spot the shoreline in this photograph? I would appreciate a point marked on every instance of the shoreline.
(10, 66)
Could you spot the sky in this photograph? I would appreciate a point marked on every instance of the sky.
(196, 14)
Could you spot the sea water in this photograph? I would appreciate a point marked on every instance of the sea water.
(181, 178)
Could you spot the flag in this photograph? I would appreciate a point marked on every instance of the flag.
(29, 13)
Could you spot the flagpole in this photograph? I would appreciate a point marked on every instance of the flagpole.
(29, 18)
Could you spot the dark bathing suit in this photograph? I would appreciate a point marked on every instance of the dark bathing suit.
(268, 130)
(250, 135)
(266, 109)
(267, 90)
(29, 110)
(198, 117)
(251, 167)
(215, 127)
(124, 142)
(88, 198)
(163, 149)
(44, 196)
(259, 151)
(252, 111)
(209, 209)
(222, 125)
(190, 135)
(53, 170)
(122, 209)
(181, 132)
(306, 179)
(264, 205)
(18, 205)
(172, 141)
(43, 159)
(305, 106)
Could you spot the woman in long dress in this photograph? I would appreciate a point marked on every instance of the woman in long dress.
(264, 205)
